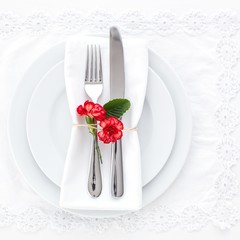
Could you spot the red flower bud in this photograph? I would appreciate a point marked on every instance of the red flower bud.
(92, 110)
(98, 112)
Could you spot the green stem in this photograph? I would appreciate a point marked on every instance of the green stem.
(98, 149)
(93, 130)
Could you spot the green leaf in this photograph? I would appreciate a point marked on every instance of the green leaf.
(117, 107)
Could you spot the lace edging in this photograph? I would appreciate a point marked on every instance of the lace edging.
(162, 23)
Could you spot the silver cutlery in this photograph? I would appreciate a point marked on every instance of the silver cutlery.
(93, 87)
(117, 89)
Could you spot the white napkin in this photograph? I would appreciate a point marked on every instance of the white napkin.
(74, 191)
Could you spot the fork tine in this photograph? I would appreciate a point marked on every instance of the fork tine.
(100, 64)
(91, 67)
(93, 71)
(96, 66)
(87, 65)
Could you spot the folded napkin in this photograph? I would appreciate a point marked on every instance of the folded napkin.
(74, 188)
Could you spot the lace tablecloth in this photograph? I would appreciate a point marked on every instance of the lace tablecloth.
(204, 51)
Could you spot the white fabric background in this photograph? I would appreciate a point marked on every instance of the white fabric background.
(205, 53)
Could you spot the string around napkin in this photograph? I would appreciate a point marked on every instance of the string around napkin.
(95, 126)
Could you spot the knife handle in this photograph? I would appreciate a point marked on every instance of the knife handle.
(95, 177)
(117, 185)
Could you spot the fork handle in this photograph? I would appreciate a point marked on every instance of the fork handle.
(117, 185)
(94, 178)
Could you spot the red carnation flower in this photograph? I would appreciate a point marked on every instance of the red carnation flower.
(111, 130)
(98, 112)
(92, 110)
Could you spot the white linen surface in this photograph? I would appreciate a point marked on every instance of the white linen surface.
(206, 57)
(74, 192)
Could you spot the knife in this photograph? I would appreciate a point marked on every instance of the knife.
(117, 89)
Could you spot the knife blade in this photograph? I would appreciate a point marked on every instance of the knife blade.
(117, 90)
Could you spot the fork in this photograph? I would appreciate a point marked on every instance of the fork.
(93, 87)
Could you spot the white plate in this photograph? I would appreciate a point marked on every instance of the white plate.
(42, 184)
(49, 125)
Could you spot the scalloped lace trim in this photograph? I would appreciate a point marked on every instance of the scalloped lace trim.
(131, 22)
